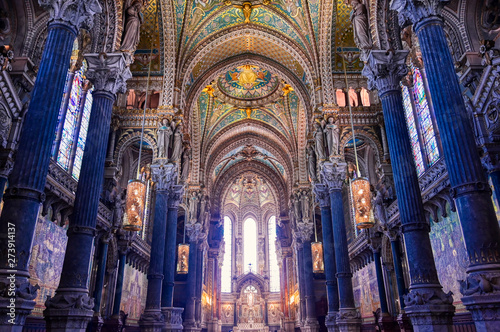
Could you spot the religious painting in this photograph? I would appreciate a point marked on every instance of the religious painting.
(248, 82)
(274, 313)
(450, 255)
(227, 316)
(366, 293)
(47, 257)
(134, 290)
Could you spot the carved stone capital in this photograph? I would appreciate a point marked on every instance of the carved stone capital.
(195, 232)
(175, 196)
(322, 195)
(172, 318)
(385, 69)
(305, 231)
(414, 11)
(480, 284)
(69, 300)
(79, 14)
(428, 296)
(108, 72)
(163, 175)
(333, 175)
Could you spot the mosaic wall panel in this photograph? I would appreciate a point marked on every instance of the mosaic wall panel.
(273, 313)
(47, 257)
(366, 290)
(449, 252)
(135, 285)
(227, 314)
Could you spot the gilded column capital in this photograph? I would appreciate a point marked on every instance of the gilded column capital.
(385, 69)
(414, 11)
(108, 72)
(79, 14)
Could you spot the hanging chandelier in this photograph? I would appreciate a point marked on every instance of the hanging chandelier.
(135, 201)
(183, 254)
(360, 186)
(317, 248)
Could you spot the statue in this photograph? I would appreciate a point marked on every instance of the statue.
(332, 137)
(304, 200)
(186, 158)
(379, 208)
(193, 206)
(132, 30)
(359, 19)
(163, 134)
(311, 163)
(119, 208)
(177, 143)
(296, 207)
(319, 138)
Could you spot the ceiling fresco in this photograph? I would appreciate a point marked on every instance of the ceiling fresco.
(249, 190)
(248, 82)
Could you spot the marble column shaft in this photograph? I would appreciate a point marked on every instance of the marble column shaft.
(309, 283)
(398, 269)
(101, 270)
(189, 317)
(380, 281)
(119, 283)
(384, 71)
(167, 298)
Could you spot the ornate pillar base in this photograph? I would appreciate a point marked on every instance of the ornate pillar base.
(115, 323)
(331, 321)
(387, 323)
(431, 317)
(152, 320)
(172, 318)
(348, 320)
(404, 322)
(214, 326)
(96, 323)
(15, 309)
(310, 325)
(69, 310)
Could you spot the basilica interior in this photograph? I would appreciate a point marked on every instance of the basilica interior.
(250, 165)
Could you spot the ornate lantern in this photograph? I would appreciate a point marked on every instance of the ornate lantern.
(182, 258)
(134, 205)
(317, 257)
(360, 188)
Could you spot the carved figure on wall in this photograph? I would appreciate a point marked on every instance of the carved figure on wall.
(5, 124)
(379, 208)
(163, 133)
(186, 159)
(305, 204)
(311, 163)
(177, 143)
(359, 19)
(132, 30)
(119, 208)
(332, 137)
(296, 207)
(319, 138)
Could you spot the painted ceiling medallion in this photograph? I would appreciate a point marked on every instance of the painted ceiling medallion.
(248, 82)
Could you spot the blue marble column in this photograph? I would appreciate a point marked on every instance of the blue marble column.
(380, 281)
(174, 199)
(495, 181)
(196, 237)
(300, 275)
(398, 269)
(101, 270)
(469, 186)
(428, 307)
(323, 198)
(27, 180)
(122, 260)
(163, 175)
(108, 74)
(334, 176)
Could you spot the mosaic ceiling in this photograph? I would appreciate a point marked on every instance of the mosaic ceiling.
(249, 190)
(248, 82)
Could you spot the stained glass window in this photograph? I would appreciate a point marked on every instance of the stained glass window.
(250, 246)
(274, 271)
(75, 117)
(412, 129)
(226, 262)
(424, 117)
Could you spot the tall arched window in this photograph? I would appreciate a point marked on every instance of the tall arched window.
(250, 245)
(73, 122)
(274, 271)
(226, 263)
(419, 121)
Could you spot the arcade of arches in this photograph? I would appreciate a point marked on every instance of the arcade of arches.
(173, 165)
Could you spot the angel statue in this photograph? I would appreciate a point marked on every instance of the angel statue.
(163, 133)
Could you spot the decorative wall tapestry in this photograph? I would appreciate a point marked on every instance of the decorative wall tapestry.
(47, 257)
(135, 285)
(366, 290)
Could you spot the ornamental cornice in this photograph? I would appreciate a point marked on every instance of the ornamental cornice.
(79, 14)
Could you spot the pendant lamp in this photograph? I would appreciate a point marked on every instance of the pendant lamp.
(317, 249)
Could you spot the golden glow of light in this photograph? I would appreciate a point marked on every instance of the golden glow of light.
(360, 188)
(317, 256)
(182, 258)
(134, 205)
